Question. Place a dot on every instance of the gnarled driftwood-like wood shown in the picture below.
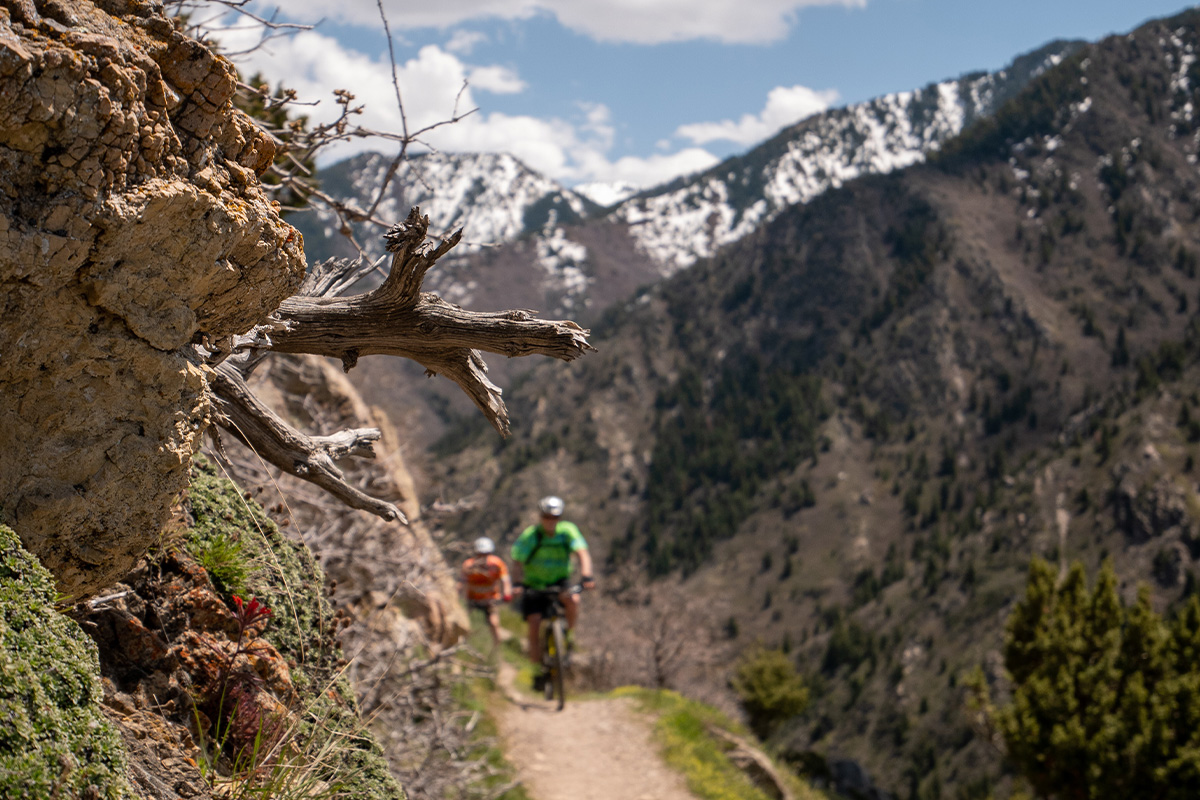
(309, 457)
(395, 319)
(399, 319)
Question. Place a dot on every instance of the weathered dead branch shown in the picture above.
(296, 453)
(396, 319)
(399, 319)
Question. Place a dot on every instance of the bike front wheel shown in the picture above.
(556, 650)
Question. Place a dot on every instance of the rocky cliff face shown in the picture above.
(131, 224)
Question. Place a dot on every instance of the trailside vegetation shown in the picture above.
(1105, 696)
(769, 688)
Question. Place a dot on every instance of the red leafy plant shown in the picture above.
(248, 721)
(248, 613)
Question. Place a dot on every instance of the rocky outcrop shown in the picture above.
(131, 224)
(1145, 507)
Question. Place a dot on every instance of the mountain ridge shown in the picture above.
(503, 204)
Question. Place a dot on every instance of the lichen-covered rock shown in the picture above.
(131, 224)
(189, 683)
(55, 741)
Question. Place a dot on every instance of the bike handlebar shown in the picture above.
(553, 591)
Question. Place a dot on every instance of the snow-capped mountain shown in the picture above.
(500, 201)
(691, 219)
(494, 197)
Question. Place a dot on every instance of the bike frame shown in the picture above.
(552, 636)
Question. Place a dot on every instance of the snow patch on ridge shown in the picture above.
(563, 260)
(677, 227)
(607, 194)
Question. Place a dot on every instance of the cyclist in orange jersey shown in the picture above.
(485, 582)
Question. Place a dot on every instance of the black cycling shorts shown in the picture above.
(536, 602)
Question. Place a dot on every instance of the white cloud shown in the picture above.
(431, 86)
(463, 42)
(785, 106)
(598, 125)
(656, 169)
(641, 21)
(499, 80)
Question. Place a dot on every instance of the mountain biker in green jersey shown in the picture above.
(541, 560)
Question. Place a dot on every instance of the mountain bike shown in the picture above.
(553, 637)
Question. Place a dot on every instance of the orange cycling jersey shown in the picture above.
(482, 576)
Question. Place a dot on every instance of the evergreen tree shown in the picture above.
(1120, 355)
(1106, 697)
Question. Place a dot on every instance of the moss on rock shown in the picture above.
(283, 574)
(54, 738)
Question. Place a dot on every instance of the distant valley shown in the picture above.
(849, 383)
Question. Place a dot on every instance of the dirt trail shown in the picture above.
(591, 750)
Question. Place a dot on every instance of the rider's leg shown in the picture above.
(570, 601)
(493, 620)
(534, 621)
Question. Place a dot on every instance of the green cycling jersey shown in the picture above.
(547, 555)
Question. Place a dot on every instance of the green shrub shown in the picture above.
(1105, 696)
(223, 559)
(769, 688)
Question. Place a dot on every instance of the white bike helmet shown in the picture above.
(484, 545)
(551, 506)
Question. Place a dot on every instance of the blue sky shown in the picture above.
(645, 90)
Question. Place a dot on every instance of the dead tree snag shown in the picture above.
(396, 319)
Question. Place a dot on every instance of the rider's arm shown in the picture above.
(505, 581)
(585, 568)
(520, 552)
(579, 547)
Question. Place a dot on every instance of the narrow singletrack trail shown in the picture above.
(591, 750)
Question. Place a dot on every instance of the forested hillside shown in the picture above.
(849, 431)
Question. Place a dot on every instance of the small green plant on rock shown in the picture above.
(224, 559)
